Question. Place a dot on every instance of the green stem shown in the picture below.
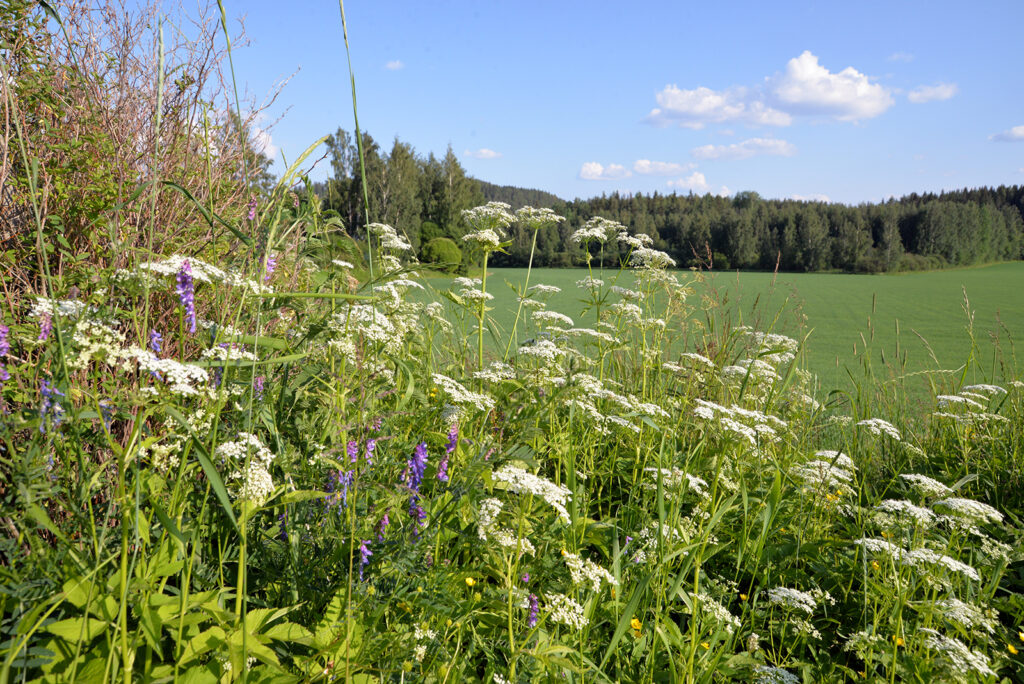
(481, 316)
(519, 309)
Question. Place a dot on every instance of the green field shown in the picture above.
(841, 312)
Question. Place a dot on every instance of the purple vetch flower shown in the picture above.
(371, 444)
(352, 449)
(156, 341)
(531, 620)
(258, 383)
(525, 579)
(50, 405)
(419, 515)
(186, 290)
(283, 526)
(364, 556)
(382, 527)
(45, 327)
(414, 469)
(252, 208)
(5, 349)
(271, 264)
(628, 540)
(442, 469)
(107, 412)
(453, 439)
(377, 422)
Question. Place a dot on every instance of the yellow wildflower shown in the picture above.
(1012, 649)
(470, 582)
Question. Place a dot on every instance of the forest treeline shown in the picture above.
(422, 197)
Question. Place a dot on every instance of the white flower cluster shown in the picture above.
(493, 215)
(566, 611)
(522, 482)
(709, 605)
(257, 484)
(793, 599)
(672, 480)
(597, 335)
(228, 353)
(542, 289)
(646, 257)
(342, 264)
(893, 512)
(488, 239)
(925, 485)
(774, 348)
(990, 390)
(460, 395)
(968, 615)
(542, 318)
(626, 293)
(971, 510)
(535, 219)
(584, 571)
(495, 372)
(597, 229)
(590, 283)
(961, 660)
(832, 471)
(388, 237)
(95, 338)
(749, 424)
(634, 241)
(65, 308)
(918, 557)
(247, 444)
(487, 528)
(180, 378)
(543, 350)
(877, 426)
(201, 272)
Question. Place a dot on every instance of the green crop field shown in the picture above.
(918, 314)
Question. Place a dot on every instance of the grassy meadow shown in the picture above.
(921, 315)
(267, 448)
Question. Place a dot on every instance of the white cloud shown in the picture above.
(814, 197)
(264, 142)
(1015, 134)
(482, 153)
(806, 87)
(596, 171)
(646, 167)
(746, 149)
(394, 65)
(696, 183)
(901, 57)
(939, 91)
(700, 106)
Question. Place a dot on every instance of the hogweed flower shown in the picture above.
(186, 289)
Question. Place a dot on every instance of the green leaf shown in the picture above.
(78, 629)
(211, 472)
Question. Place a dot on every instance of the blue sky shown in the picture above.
(852, 102)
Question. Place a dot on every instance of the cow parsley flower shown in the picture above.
(584, 571)
(925, 485)
(971, 510)
(566, 611)
(535, 219)
(877, 426)
(793, 599)
(960, 660)
(522, 482)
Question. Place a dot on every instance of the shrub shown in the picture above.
(444, 253)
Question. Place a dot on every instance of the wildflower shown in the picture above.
(584, 571)
(252, 208)
(743, 597)
(364, 556)
(470, 582)
(597, 229)
(1012, 649)
(705, 645)
(442, 469)
(637, 627)
(766, 674)
(792, 598)
(45, 327)
(5, 348)
(415, 467)
(525, 579)
(258, 384)
(877, 426)
(925, 485)
(566, 611)
(535, 219)
(352, 448)
(974, 511)
(156, 341)
(957, 657)
(531, 619)
(371, 445)
(382, 527)
(522, 482)
(50, 405)
(186, 294)
(271, 264)
(898, 641)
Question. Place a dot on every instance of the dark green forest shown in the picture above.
(422, 197)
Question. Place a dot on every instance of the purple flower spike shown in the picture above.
(5, 349)
(382, 527)
(258, 384)
(156, 340)
(525, 579)
(186, 289)
(252, 209)
(415, 468)
(442, 469)
(531, 621)
(50, 405)
(271, 265)
(453, 439)
(364, 556)
(353, 451)
(45, 327)
(371, 444)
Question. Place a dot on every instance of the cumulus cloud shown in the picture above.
(394, 65)
(939, 91)
(814, 197)
(596, 171)
(264, 143)
(701, 106)
(1015, 134)
(696, 183)
(746, 149)
(646, 167)
(806, 87)
(482, 153)
(901, 57)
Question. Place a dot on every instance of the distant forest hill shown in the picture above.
(423, 197)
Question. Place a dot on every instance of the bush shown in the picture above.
(444, 253)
